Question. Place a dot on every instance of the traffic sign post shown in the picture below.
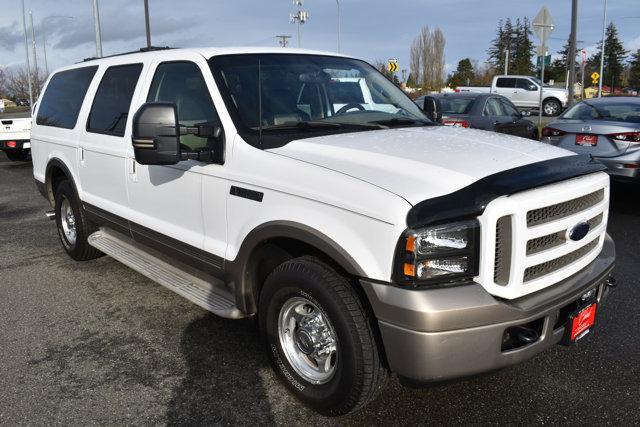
(543, 27)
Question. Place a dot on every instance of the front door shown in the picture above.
(179, 209)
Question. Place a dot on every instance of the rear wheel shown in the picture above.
(319, 337)
(551, 107)
(18, 155)
(73, 227)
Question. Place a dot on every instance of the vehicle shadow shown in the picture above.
(223, 359)
(624, 198)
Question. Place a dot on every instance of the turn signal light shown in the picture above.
(11, 144)
(549, 131)
(456, 123)
(626, 136)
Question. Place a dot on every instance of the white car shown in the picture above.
(15, 131)
(364, 240)
(524, 92)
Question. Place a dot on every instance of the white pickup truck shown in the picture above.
(524, 92)
(363, 237)
(15, 130)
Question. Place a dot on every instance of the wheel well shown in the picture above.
(552, 98)
(269, 254)
(54, 177)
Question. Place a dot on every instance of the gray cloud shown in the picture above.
(10, 36)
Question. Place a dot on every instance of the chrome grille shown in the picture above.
(503, 251)
(564, 209)
(545, 268)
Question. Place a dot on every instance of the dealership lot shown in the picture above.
(95, 342)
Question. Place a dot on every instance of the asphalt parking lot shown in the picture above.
(97, 343)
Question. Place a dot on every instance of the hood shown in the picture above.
(419, 163)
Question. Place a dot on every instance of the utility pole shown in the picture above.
(506, 62)
(300, 17)
(338, 5)
(572, 49)
(146, 22)
(33, 41)
(604, 35)
(26, 52)
(96, 23)
(284, 40)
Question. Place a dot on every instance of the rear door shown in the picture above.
(506, 86)
(104, 138)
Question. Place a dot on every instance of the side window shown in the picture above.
(509, 109)
(493, 108)
(63, 98)
(111, 104)
(507, 82)
(525, 84)
(182, 83)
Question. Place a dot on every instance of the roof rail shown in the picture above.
(141, 50)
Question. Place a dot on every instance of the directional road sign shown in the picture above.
(393, 65)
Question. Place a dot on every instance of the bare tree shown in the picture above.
(427, 58)
(17, 82)
(3, 83)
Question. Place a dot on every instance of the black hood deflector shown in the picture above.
(472, 200)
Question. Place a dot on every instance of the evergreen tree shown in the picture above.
(502, 43)
(614, 58)
(464, 74)
(522, 48)
(634, 70)
(558, 69)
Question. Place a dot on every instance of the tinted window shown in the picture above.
(182, 83)
(493, 107)
(509, 108)
(345, 92)
(524, 84)
(506, 82)
(63, 98)
(113, 99)
(456, 105)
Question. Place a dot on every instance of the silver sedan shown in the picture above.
(606, 128)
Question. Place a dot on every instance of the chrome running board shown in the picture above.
(214, 297)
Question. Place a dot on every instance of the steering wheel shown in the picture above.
(350, 107)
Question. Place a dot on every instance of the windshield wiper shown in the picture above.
(317, 125)
(401, 122)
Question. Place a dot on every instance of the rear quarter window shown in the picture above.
(63, 97)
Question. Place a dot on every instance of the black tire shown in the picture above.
(359, 373)
(551, 107)
(18, 155)
(80, 250)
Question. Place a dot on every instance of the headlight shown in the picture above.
(440, 254)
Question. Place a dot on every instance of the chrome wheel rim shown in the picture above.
(68, 221)
(308, 340)
(550, 108)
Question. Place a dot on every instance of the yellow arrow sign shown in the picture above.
(595, 76)
(393, 67)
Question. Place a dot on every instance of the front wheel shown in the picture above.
(551, 107)
(319, 337)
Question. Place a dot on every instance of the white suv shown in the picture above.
(365, 240)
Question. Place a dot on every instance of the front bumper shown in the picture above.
(20, 144)
(444, 333)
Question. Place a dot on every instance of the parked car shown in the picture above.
(363, 241)
(606, 128)
(15, 129)
(22, 102)
(482, 111)
(524, 92)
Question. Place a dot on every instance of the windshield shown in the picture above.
(276, 98)
(628, 112)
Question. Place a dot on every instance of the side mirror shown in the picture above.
(156, 134)
(533, 87)
(433, 109)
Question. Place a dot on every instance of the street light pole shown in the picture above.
(604, 31)
(33, 41)
(572, 50)
(146, 22)
(96, 23)
(338, 6)
(26, 52)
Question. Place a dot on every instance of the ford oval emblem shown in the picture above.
(579, 231)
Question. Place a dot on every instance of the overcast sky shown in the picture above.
(371, 29)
